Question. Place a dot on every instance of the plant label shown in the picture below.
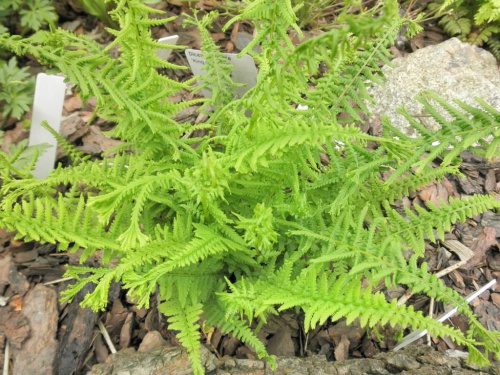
(244, 70)
(168, 40)
(47, 106)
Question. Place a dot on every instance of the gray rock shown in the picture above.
(429, 370)
(365, 366)
(414, 360)
(452, 70)
(402, 361)
(242, 39)
(162, 361)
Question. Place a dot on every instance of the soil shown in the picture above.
(32, 320)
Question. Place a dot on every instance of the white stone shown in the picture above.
(452, 70)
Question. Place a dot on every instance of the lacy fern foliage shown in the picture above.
(271, 207)
(473, 21)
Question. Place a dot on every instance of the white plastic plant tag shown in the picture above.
(47, 106)
(244, 70)
(169, 40)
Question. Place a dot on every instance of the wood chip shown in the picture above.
(101, 351)
(354, 332)
(495, 298)
(462, 251)
(14, 325)
(229, 346)
(96, 143)
(490, 181)
(26, 256)
(115, 318)
(483, 243)
(281, 344)
(5, 263)
(77, 338)
(152, 340)
(435, 193)
(342, 349)
(72, 104)
(457, 279)
(9, 276)
(126, 331)
(38, 352)
(151, 323)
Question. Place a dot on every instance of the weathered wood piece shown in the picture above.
(37, 353)
(77, 339)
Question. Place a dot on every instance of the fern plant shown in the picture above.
(270, 207)
(473, 21)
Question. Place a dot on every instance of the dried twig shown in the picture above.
(105, 334)
(450, 268)
(405, 297)
(462, 251)
(58, 281)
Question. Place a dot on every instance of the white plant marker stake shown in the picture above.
(414, 336)
(165, 53)
(244, 70)
(47, 106)
(6, 358)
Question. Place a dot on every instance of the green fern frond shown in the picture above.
(397, 189)
(456, 24)
(35, 221)
(488, 12)
(84, 275)
(206, 243)
(483, 35)
(494, 46)
(185, 320)
(74, 154)
(422, 226)
(322, 297)
(218, 71)
(218, 316)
